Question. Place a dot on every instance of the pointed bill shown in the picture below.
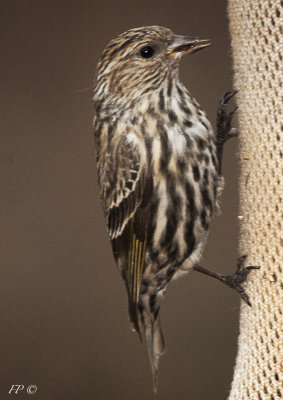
(184, 45)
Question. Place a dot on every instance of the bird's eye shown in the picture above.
(147, 52)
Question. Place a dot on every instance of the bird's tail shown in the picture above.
(145, 320)
(155, 342)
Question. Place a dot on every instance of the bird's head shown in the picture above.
(138, 61)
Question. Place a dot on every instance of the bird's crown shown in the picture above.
(140, 61)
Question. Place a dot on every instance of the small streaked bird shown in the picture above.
(158, 164)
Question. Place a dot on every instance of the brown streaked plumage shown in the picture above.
(157, 169)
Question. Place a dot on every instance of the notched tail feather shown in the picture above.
(155, 343)
(149, 330)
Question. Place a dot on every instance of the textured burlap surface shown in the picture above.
(256, 32)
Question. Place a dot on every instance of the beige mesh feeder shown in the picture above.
(256, 30)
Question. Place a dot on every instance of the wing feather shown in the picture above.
(126, 193)
(122, 177)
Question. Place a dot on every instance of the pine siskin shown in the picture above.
(158, 166)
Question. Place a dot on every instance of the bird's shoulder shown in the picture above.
(123, 173)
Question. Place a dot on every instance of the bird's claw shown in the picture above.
(235, 280)
(227, 97)
(223, 120)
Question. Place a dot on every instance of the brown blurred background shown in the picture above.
(64, 323)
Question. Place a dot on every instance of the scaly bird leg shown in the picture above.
(224, 131)
(235, 280)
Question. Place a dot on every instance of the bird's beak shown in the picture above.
(183, 45)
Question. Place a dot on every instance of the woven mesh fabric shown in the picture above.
(256, 31)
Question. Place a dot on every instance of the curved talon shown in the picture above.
(233, 111)
(241, 260)
(224, 102)
(228, 95)
(245, 297)
(250, 267)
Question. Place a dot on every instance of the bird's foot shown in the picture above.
(224, 131)
(235, 280)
